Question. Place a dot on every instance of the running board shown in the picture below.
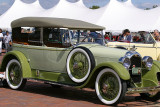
(143, 90)
(51, 82)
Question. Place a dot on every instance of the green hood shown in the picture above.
(105, 54)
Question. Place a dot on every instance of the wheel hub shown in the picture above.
(109, 86)
(77, 65)
(12, 75)
(105, 88)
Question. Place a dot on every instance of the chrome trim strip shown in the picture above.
(131, 46)
(43, 48)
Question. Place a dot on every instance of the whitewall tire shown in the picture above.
(14, 76)
(79, 64)
(110, 89)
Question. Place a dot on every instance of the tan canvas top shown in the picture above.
(54, 22)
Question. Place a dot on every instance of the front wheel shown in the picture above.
(110, 89)
(152, 96)
(14, 76)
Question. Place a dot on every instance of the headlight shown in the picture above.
(148, 62)
(125, 61)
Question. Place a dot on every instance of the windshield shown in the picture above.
(81, 36)
(142, 37)
(133, 37)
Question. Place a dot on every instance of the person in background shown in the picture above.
(7, 39)
(3, 45)
(156, 35)
(126, 36)
(1, 38)
(106, 36)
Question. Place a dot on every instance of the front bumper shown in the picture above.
(143, 90)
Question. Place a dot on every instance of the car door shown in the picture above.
(55, 59)
(35, 52)
(55, 52)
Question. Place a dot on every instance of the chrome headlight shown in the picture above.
(126, 62)
(148, 62)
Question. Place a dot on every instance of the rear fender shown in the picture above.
(26, 70)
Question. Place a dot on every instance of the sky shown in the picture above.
(6, 4)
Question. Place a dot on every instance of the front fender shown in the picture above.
(156, 63)
(150, 77)
(26, 70)
(117, 67)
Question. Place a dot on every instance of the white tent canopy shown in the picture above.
(114, 16)
(119, 16)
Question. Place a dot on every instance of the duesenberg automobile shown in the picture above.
(67, 52)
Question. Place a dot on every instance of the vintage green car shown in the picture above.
(66, 52)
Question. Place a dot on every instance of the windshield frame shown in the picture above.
(78, 38)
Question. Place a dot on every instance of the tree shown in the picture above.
(95, 7)
(147, 8)
(155, 6)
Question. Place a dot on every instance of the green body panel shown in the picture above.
(62, 78)
(104, 54)
(22, 59)
(45, 58)
(149, 78)
(56, 60)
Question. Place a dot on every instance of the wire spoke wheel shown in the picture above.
(14, 76)
(79, 65)
(80, 62)
(108, 86)
(110, 89)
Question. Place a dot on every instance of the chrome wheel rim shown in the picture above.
(14, 74)
(108, 86)
(79, 65)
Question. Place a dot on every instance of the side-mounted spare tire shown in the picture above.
(80, 63)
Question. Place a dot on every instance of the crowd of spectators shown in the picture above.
(5, 41)
(127, 36)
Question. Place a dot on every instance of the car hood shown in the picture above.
(103, 54)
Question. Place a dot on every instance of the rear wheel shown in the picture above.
(152, 96)
(109, 87)
(14, 76)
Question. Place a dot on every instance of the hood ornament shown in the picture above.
(133, 48)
